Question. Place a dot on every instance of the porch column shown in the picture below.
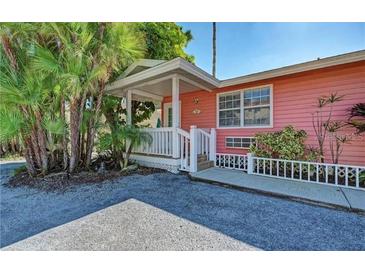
(129, 107)
(175, 117)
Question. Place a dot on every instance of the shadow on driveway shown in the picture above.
(264, 222)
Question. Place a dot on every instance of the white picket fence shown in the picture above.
(313, 172)
(231, 161)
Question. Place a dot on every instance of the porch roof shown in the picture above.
(146, 78)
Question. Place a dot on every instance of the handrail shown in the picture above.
(183, 132)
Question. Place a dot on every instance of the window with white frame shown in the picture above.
(230, 109)
(246, 108)
(239, 142)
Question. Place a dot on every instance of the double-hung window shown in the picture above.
(230, 110)
(247, 108)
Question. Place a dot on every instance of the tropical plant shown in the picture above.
(356, 117)
(49, 72)
(121, 141)
(287, 143)
(321, 118)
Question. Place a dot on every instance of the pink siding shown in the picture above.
(294, 99)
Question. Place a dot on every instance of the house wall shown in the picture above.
(294, 101)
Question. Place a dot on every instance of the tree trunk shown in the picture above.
(64, 137)
(29, 162)
(35, 146)
(76, 114)
(42, 142)
(74, 133)
(92, 124)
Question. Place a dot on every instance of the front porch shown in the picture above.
(172, 147)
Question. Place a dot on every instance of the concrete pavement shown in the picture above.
(327, 195)
(130, 225)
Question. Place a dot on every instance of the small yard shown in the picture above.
(259, 221)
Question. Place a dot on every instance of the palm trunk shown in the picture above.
(35, 147)
(92, 124)
(42, 142)
(29, 162)
(76, 115)
(64, 137)
(74, 134)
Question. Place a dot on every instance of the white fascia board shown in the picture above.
(177, 63)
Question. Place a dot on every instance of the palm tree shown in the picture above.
(52, 68)
(214, 49)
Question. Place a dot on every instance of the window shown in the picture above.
(169, 117)
(229, 109)
(249, 107)
(239, 142)
(257, 106)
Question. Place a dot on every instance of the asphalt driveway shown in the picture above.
(241, 219)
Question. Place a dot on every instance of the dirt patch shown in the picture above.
(61, 181)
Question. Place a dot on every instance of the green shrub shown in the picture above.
(287, 143)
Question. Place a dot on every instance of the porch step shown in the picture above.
(205, 164)
(202, 158)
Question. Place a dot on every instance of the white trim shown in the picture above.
(129, 107)
(147, 94)
(245, 148)
(143, 63)
(194, 83)
(165, 113)
(242, 126)
(169, 164)
(170, 66)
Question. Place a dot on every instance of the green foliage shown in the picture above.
(287, 143)
(165, 40)
(357, 117)
(121, 141)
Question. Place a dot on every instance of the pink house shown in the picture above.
(204, 117)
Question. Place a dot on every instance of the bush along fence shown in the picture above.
(321, 173)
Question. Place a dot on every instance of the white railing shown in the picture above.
(203, 139)
(179, 144)
(321, 173)
(184, 143)
(231, 161)
(161, 142)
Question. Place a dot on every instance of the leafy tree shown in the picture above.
(165, 41)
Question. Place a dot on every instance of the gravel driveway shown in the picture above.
(254, 220)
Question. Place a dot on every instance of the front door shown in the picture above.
(167, 114)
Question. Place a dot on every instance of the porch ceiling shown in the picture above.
(157, 80)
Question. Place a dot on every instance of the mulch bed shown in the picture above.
(60, 181)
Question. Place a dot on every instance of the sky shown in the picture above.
(245, 48)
